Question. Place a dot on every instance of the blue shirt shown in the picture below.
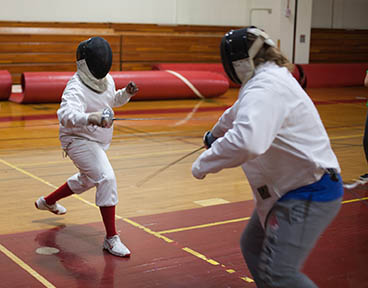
(321, 191)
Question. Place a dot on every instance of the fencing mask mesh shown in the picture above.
(98, 55)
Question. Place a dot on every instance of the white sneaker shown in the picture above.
(364, 178)
(116, 247)
(55, 208)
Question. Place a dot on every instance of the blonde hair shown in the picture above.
(269, 53)
(272, 54)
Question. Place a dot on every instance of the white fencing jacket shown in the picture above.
(77, 101)
(275, 133)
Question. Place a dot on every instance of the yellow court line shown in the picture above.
(149, 231)
(354, 200)
(85, 201)
(157, 234)
(201, 256)
(186, 249)
(247, 279)
(234, 220)
(213, 262)
(133, 223)
(27, 173)
(26, 267)
(203, 225)
(43, 181)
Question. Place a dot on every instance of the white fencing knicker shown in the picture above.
(94, 170)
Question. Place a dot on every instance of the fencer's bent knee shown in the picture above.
(80, 183)
(106, 192)
(106, 179)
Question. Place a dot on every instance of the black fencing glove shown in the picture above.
(208, 139)
(131, 88)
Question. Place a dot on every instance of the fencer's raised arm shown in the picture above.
(122, 96)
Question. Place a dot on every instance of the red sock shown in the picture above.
(108, 217)
(62, 192)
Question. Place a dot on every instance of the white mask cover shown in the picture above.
(98, 85)
(244, 68)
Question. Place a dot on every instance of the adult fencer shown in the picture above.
(274, 132)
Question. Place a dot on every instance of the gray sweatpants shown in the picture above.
(275, 255)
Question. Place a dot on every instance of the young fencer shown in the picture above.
(86, 128)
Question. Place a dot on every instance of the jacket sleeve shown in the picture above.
(225, 122)
(72, 109)
(121, 97)
(257, 119)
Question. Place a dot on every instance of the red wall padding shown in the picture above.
(163, 85)
(315, 75)
(212, 67)
(334, 75)
(42, 87)
(5, 84)
(47, 87)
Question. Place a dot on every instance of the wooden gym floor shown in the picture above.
(182, 232)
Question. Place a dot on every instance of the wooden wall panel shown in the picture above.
(50, 46)
(28, 46)
(137, 66)
(18, 69)
(87, 25)
(29, 49)
(182, 29)
(125, 27)
(338, 46)
(170, 48)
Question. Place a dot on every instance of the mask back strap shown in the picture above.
(256, 46)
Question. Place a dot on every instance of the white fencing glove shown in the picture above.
(103, 119)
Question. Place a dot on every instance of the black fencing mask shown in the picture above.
(237, 52)
(97, 53)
